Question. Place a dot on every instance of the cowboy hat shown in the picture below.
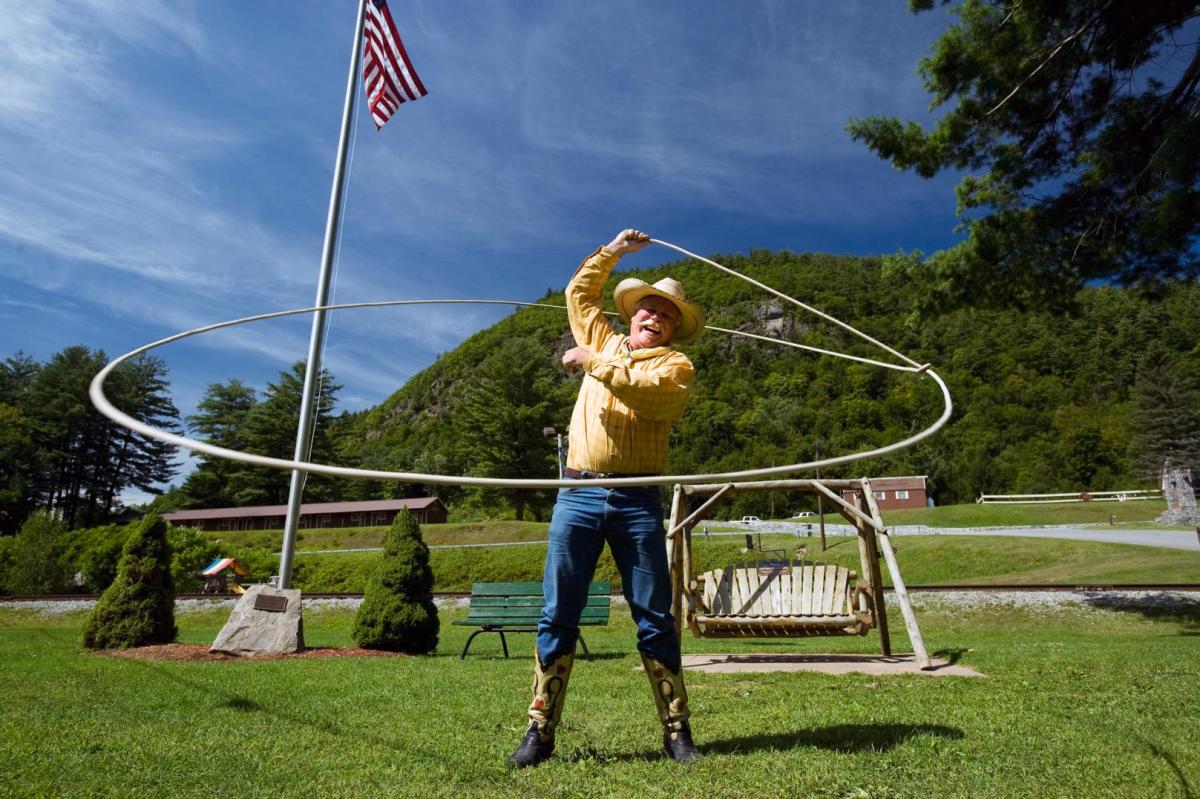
(630, 291)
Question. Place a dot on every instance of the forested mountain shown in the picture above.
(1043, 402)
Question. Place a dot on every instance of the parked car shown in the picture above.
(751, 519)
(805, 514)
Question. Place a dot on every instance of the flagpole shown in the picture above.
(312, 370)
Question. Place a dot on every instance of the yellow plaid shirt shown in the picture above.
(628, 399)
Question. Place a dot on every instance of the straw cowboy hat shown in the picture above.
(630, 291)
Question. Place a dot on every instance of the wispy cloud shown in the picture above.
(165, 166)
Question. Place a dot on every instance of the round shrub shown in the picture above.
(37, 556)
(397, 611)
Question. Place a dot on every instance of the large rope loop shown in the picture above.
(922, 371)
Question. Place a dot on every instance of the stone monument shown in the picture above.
(265, 621)
(1180, 494)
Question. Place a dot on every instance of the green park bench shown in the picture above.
(516, 607)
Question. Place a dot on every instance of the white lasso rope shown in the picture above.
(96, 392)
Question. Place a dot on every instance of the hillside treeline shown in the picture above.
(1090, 399)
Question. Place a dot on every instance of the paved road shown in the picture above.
(1170, 539)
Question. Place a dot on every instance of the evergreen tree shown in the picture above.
(18, 466)
(67, 430)
(16, 377)
(83, 460)
(518, 391)
(397, 611)
(138, 609)
(6, 562)
(19, 456)
(140, 389)
(270, 429)
(1076, 126)
(220, 419)
(1166, 416)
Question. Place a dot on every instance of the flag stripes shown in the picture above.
(388, 75)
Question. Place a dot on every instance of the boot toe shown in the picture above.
(680, 747)
(533, 750)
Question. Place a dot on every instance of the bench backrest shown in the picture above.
(772, 590)
(521, 603)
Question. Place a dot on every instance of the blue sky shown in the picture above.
(168, 165)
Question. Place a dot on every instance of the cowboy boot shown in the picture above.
(549, 692)
(671, 698)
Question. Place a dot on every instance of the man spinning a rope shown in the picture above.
(634, 387)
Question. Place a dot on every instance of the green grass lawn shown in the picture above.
(360, 537)
(1077, 703)
(1138, 513)
(923, 560)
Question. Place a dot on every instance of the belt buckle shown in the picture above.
(587, 474)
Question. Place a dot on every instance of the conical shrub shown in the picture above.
(139, 607)
(397, 611)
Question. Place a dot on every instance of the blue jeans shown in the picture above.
(630, 521)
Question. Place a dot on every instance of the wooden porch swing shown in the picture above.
(778, 599)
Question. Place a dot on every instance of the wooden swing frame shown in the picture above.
(873, 539)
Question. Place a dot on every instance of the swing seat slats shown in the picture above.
(780, 601)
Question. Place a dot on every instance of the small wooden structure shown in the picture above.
(367, 513)
(793, 601)
(773, 600)
(221, 576)
(899, 492)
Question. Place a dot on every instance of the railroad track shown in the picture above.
(995, 587)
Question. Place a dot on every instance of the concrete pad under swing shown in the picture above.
(882, 665)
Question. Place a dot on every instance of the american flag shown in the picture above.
(387, 73)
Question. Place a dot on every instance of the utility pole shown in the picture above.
(772, 494)
(559, 449)
(820, 501)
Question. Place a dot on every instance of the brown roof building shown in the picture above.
(369, 513)
(896, 492)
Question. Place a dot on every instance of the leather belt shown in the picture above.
(584, 474)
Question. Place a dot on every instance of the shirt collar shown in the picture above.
(645, 352)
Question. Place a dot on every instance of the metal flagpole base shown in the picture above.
(265, 621)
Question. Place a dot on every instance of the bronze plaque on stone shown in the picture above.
(269, 602)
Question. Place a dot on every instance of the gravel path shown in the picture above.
(1148, 602)
(1153, 602)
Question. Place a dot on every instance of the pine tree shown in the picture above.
(220, 419)
(1074, 129)
(397, 612)
(139, 607)
(1166, 415)
(83, 461)
(269, 428)
(517, 391)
